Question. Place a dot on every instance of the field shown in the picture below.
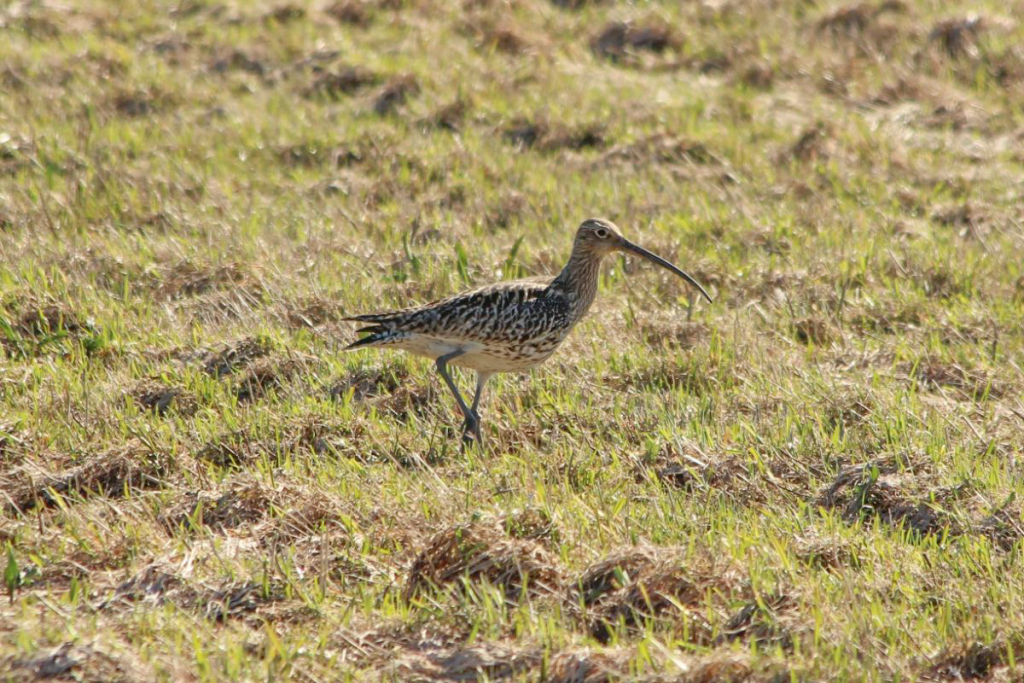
(817, 477)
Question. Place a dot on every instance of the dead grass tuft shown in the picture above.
(484, 661)
(759, 75)
(498, 34)
(312, 312)
(159, 398)
(974, 661)
(341, 82)
(450, 116)
(958, 37)
(282, 512)
(32, 326)
(766, 621)
(647, 584)
(586, 665)
(352, 12)
(239, 60)
(814, 144)
(968, 219)
(255, 601)
(284, 14)
(577, 4)
(933, 372)
(662, 148)
(485, 551)
(267, 374)
(692, 469)
(70, 662)
(880, 491)
(828, 554)
(541, 135)
(186, 278)
(139, 103)
(861, 22)
(43, 317)
(366, 383)
(1004, 527)
(620, 41)
(394, 95)
(236, 356)
(114, 473)
(683, 335)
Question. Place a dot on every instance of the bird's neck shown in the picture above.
(578, 281)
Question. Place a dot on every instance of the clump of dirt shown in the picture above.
(236, 356)
(159, 398)
(643, 584)
(394, 94)
(266, 374)
(880, 491)
(112, 473)
(539, 134)
(341, 82)
(485, 551)
(620, 41)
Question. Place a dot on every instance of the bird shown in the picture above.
(510, 326)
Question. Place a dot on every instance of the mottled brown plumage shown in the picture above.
(505, 327)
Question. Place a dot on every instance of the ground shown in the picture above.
(818, 477)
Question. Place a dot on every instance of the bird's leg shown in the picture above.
(472, 424)
(442, 367)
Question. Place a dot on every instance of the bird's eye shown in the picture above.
(602, 233)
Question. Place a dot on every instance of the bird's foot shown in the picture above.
(471, 431)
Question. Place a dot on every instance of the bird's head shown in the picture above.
(598, 236)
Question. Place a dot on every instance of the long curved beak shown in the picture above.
(636, 249)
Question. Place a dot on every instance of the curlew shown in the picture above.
(510, 326)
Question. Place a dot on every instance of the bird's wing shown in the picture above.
(460, 315)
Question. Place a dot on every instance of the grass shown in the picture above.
(817, 477)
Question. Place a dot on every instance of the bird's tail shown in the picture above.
(376, 335)
(376, 318)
